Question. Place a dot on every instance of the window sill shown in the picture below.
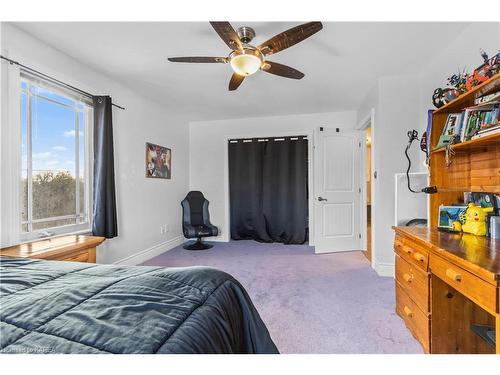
(82, 232)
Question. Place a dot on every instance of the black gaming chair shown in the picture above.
(196, 221)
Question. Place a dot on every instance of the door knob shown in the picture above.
(321, 199)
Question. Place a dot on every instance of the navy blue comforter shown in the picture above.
(67, 307)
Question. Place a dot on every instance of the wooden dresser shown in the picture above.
(412, 286)
(74, 248)
(444, 283)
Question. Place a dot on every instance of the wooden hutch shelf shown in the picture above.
(448, 284)
(475, 165)
(475, 144)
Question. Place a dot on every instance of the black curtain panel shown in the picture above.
(245, 189)
(104, 213)
(268, 189)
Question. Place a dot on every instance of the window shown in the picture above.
(55, 159)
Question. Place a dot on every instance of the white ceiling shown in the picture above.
(341, 62)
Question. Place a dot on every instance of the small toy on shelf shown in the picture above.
(456, 226)
(442, 96)
(458, 81)
(462, 82)
(475, 219)
(488, 69)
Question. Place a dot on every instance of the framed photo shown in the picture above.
(158, 161)
(450, 214)
(451, 130)
(453, 125)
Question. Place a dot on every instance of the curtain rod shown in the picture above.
(265, 139)
(52, 79)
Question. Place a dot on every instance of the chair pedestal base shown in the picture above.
(197, 245)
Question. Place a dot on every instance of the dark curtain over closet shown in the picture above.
(268, 190)
(104, 219)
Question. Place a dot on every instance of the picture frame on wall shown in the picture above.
(158, 161)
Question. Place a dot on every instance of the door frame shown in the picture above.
(368, 122)
(310, 172)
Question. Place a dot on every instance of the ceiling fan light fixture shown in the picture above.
(246, 59)
(246, 62)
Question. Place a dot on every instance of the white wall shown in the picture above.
(394, 101)
(409, 205)
(143, 204)
(208, 150)
(397, 113)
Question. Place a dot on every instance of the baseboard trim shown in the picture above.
(216, 239)
(384, 269)
(144, 255)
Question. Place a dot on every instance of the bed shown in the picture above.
(68, 307)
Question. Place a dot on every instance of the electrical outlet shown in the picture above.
(166, 228)
(161, 229)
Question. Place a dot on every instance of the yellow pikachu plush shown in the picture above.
(475, 220)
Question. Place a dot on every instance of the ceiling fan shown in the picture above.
(245, 59)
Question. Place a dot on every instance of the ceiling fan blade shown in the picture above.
(198, 59)
(289, 38)
(235, 81)
(227, 34)
(281, 70)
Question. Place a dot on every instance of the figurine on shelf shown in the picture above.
(475, 220)
(488, 69)
(458, 81)
(442, 96)
(462, 82)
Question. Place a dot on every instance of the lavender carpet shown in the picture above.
(328, 303)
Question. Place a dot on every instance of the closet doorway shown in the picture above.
(368, 190)
(367, 126)
(269, 189)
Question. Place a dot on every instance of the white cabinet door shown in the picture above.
(337, 156)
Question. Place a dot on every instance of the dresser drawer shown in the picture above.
(412, 253)
(415, 283)
(471, 286)
(416, 321)
(79, 257)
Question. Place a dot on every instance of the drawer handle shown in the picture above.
(403, 248)
(407, 277)
(407, 250)
(419, 257)
(453, 275)
(408, 311)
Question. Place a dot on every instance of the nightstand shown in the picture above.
(74, 248)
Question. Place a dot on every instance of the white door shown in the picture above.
(337, 185)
